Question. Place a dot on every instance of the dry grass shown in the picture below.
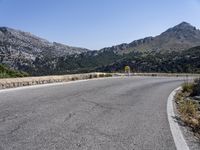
(187, 87)
(188, 108)
(196, 88)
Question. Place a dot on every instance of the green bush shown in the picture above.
(9, 73)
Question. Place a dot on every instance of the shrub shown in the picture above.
(196, 88)
(188, 108)
(179, 97)
(187, 87)
(5, 72)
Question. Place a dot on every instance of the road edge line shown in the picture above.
(177, 134)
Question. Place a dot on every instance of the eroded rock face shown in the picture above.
(18, 47)
(29, 43)
(181, 37)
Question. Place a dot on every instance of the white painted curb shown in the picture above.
(175, 129)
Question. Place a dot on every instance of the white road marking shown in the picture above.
(175, 129)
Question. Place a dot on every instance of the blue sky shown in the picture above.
(95, 24)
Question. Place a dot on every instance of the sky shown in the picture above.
(95, 24)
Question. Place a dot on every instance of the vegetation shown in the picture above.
(189, 107)
(161, 54)
(187, 87)
(196, 88)
(127, 69)
(9, 73)
(187, 61)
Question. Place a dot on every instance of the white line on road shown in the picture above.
(175, 129)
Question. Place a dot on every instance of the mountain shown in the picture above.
(186, 61)
(150, 54)
(23, 46)
(168, 52)
(182, 36)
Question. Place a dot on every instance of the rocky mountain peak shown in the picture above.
(25, 42)
(183, 28)
(184, 25)
(180, 37)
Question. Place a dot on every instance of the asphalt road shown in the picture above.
(116, 113)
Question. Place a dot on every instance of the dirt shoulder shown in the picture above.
(188, 106)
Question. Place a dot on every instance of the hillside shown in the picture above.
(171, 51)
(187, 61)
(9, 73)
(18, 48)
(180, 37)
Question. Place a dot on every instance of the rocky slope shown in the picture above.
(25, 47)
(186, 61)
(23, 51)
(181, 37)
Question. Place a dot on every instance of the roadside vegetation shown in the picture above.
(187, 61)
(9, 73)
(188, 105)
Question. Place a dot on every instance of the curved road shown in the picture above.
(115, 113)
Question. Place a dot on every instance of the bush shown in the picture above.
(196, 88)
(188, 108)
(188, 87)
(5, 72)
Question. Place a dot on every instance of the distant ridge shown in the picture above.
(180, 37)
(29, 44)
(26, 52)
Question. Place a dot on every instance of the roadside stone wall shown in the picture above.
(27, 81)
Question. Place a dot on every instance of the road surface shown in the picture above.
(108, 114)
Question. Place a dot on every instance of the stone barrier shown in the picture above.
(159, 74)
(27, 81)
